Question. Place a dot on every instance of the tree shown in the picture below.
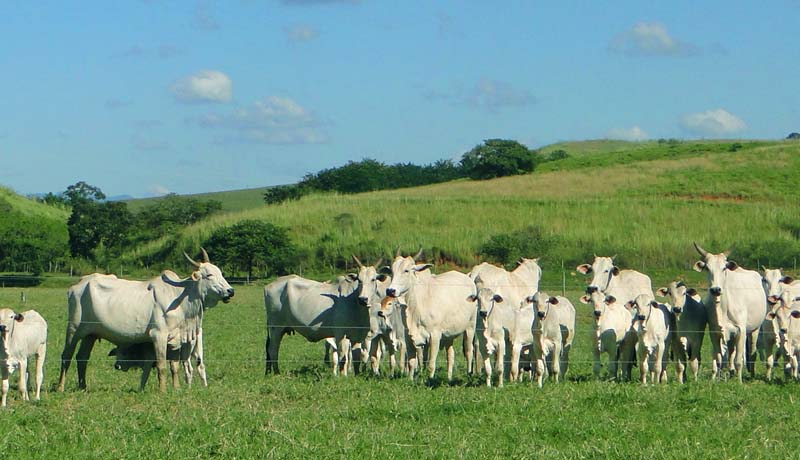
(92, 224)
(82, 192)
(253, 244)
(498, 158)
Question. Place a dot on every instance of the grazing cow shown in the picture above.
(163, 310)
(688, 329)
(737, 310)
(439, 308)
(651, 323)
(335, 312)
(613, 335)
(22, 335)
(775, 284)
(513, 287)
(785, 313)
(553, 330)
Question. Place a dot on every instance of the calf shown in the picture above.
(142, 356)
(651, 323)
(785, 315)
(775, 284)
(553, 330)
(613, 334)
(22, 335)
(495, 324)
(688, 327)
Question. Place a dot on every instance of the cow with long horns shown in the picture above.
(164, 310)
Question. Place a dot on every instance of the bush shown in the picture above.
(254, 247)
(507, 248)
(281, 193)
(556, 155)
(499, 158)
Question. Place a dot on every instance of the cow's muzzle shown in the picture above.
(597, 314)
(715, 291)
(640, 318)
(381, 314)
(484, 314)
(540, 314)
(591, 289)
(773, 299)
(677, 310)
(390, 292)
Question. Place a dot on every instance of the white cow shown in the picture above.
(553, 331)
(495, 325)
(651, 323)
(775, 284)
(22, 335)
(318, 311)
(737, 310)
(439, 308)
(388, 332)
(623, 285)
(689, 328)
(513, 287)
(785, 313)
(163, 310)
(613, 335)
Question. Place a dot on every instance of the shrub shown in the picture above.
(499, 158)
(507, 248)
(253, 246)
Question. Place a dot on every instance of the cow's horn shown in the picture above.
(379, 262)
(702, 251)
(190, 260)
(728, 251)
(360, 265)
(205, 255)
(419, 254)
(397, 253)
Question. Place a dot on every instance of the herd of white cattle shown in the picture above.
(406, 311)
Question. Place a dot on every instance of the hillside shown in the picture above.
(646, 204)
(11, 201)
(232, 200)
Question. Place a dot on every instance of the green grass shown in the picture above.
(646, 205)
(306, 412)
(233, 200)
(29, 207)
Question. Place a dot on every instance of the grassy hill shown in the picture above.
(646, 204)
(11, 201)
(232, 200)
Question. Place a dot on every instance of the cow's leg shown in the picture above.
(741, 351)
(4, 385)
(145, 376)
(556, 359)
(175, 370)
(469, 349)
(516, 352)
(794, 367)
(643, 364)
(198, 353)
(500, 358)
(433, 352)
(752, 351)
(597, 364)
(451, 358)
(70, 343)
(40, 354)
(540, 369)
(659, 364)
(160, 347)
(23, 379)
(274, 337)
(84, 352)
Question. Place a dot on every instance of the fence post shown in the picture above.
(563, 280)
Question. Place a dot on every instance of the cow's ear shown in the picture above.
(731, 265)
(584, 268)
(529, 299)
(771, 315)
(585, 299)
(113, 352)
(795, 314)
(615, 270)
(472, 298)
(630, 305)
(352, 276)
(610, 299)
(787, 280)
(699, 266)
(553, 301)
(19, 318)
(386, 270)
(654, 304)
(196, 275)
(422, 267)
(381, 277)
(498, 298)
(663, 292)
(691, 292)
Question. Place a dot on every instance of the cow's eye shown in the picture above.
(210, 275)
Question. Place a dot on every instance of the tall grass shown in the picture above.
(648, 212)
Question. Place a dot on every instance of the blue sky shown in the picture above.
(145, 97)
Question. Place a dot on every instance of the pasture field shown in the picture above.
(646, 204)
(306, 412)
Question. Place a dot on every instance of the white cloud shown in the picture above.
(158, 190)
(301, 33)
(487, 94)
(205, 86)
(650, 39)
(634, 133)
(718, 122)
(273, 120)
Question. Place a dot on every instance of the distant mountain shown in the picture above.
(119, 198)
